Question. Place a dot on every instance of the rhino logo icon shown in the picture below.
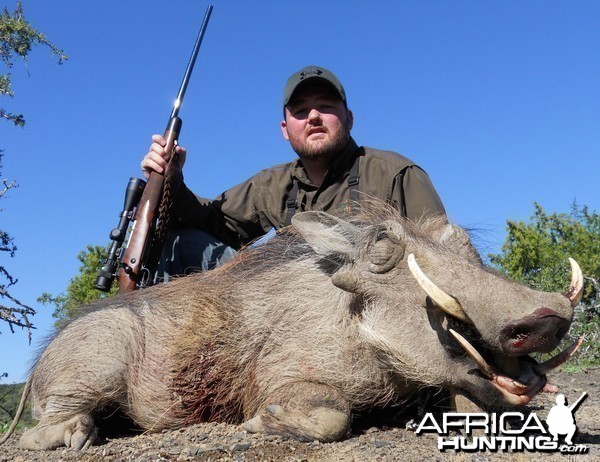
(560, 419)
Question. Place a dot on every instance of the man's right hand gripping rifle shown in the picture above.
(158, 158)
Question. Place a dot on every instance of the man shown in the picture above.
(560, 420)
(331, 173)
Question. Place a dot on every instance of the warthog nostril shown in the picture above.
(562, 332)
(540, 331)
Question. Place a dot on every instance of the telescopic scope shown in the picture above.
(107, 273)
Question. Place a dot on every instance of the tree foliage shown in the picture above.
(17, 37)
(536, 253)
(80, 290)
(10, 396)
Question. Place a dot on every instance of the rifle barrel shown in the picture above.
(578, 402)
(190, 66)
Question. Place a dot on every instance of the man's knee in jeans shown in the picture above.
(189, 250)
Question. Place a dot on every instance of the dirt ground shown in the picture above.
(222, 442)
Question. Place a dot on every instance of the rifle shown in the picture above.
(574, 406)
(137, 265)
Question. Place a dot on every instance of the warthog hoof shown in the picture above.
(319, 423)
(77, 433)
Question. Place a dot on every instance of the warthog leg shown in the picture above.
(79, 432)
(305, 410)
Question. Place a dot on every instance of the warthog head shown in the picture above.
(426, 299)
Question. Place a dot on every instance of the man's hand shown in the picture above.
(157, 158)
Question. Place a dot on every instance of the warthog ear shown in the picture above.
(327, 234)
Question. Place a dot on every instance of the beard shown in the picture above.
(320, 149)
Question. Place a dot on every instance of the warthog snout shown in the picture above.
(540, 331)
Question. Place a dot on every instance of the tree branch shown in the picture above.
(15, 316)
(8, 184)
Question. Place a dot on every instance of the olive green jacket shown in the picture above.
(250, 209)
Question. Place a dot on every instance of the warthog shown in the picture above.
(292, 336)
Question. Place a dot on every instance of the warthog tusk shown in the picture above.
(440, 298)
(484, 367)
(560, 358)
(575, 290)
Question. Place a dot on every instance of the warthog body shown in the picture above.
(294, 335)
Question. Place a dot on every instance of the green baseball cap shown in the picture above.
(312, 74)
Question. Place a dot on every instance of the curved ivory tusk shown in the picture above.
(560, 358)
(575, 290)
(443, 301)
(484, 367)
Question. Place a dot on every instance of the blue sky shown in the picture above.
(498, 101)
